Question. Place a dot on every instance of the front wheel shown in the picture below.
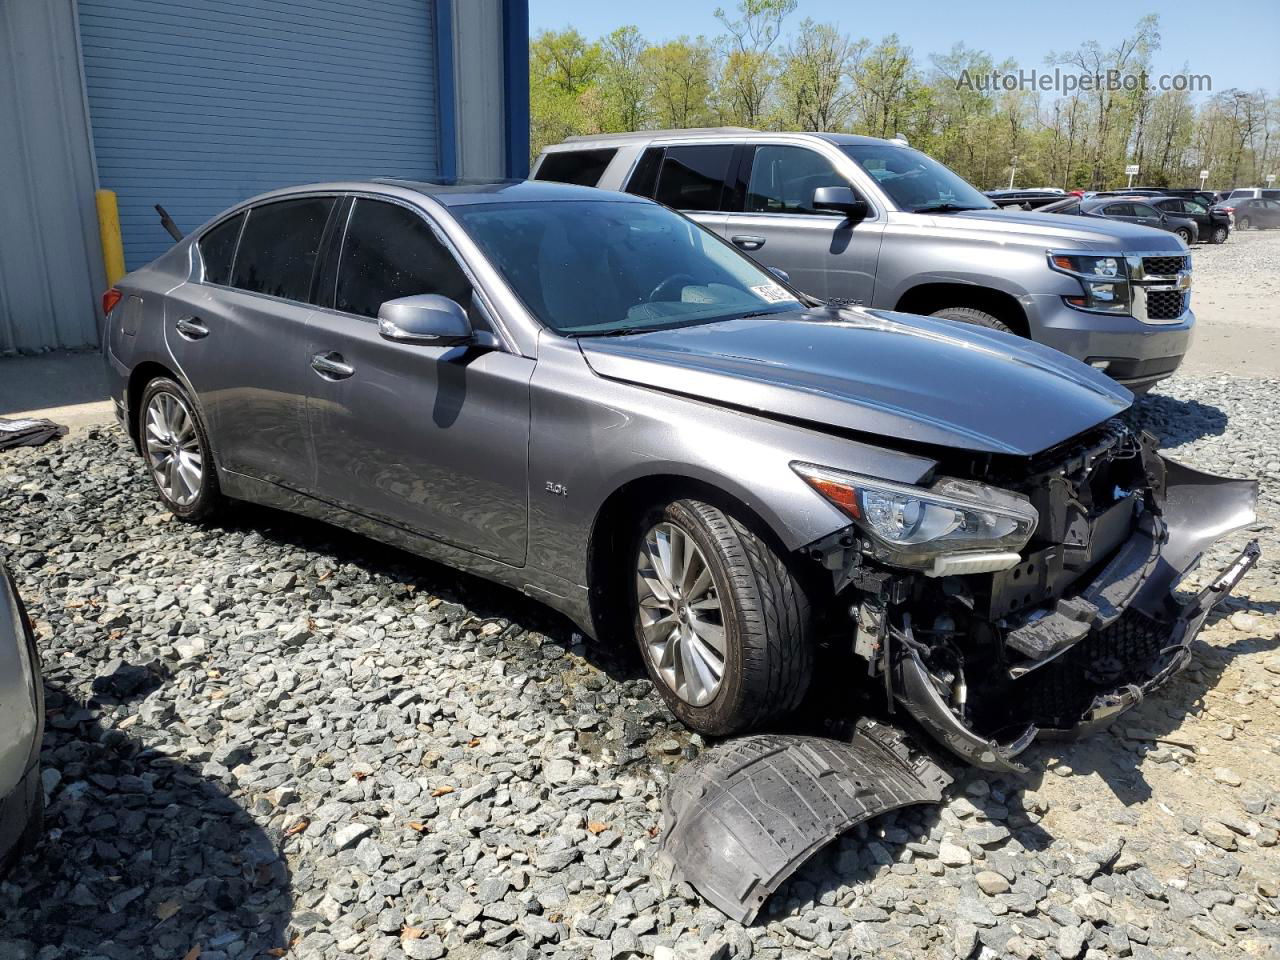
(1242, 223)
(979, 318)
(176, 449)
(1220, 234)
(1184, 235)
(722, 623)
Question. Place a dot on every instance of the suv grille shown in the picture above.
(1165, 304)
(1165, 266)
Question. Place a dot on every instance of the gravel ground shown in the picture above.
(269, 738)
(1234, 294)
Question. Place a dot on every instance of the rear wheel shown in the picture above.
(176, 449)
(722, 623)
(979, 318)
(1220, 234)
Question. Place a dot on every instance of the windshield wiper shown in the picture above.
(946, 208)
(619, 332)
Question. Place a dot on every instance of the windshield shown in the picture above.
(913, 181)
(599, 267)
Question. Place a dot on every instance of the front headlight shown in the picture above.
(954, 526)
(1103, 279)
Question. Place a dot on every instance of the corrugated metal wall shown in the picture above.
(50, 261)
(197, 104)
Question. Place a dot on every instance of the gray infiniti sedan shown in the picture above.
(588, 397)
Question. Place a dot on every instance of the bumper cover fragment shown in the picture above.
(745, 814)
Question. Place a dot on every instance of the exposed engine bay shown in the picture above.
(1080, 628)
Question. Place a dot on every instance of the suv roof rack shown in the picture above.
(634, 134)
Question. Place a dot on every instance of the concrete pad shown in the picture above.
(67, 388)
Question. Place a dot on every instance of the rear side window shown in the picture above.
(784, 179)
(390, 252)
(693, 178)
(583, 167)
(1120, 210)
(645, 176)
(279, 246)
(218, 247)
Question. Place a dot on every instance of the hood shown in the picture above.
(1097, 232)
(893, 375)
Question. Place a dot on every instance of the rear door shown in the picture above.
(239, 337)
(773, 219)
(694, 179)
(431, 439)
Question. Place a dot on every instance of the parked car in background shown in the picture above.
(1212, 225)
(1208, 198)
(1135, 210)
(1254, 193)
(588, 397)
(1024, 199)
(1250, 212)
(21, 727)
(856, 220)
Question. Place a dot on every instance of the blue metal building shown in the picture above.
(196, 104)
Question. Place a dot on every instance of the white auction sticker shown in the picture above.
(771, 292)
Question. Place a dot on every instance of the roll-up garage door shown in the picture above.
(196, 104)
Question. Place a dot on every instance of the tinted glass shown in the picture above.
(914, 181)
(217, 247)
(1146, 211)
(592, 268)
(693, 177)
(1120, 210)
(1194, 207)
(279, 246)
(582, 167)
(391, 252)
(783, 180)
(645, 176)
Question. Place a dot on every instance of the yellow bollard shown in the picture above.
(109, 230)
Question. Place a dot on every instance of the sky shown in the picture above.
(1235, 42)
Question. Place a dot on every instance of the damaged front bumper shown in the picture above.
(1084, 659)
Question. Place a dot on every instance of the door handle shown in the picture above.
(191, 328)
(331, 366)
(748, 242)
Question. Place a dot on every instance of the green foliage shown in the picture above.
(816, 77)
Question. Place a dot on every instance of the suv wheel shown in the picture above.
(1220, 234)
(176, 449)
(723, 625)
(979, 318)
(1184, 235)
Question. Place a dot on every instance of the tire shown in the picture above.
(1184, 235)
(1242, 223)
(1220, 235)
(764, 613)
(979, 318)
(176, 449)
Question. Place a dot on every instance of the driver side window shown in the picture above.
(389, 251)
(784, 178)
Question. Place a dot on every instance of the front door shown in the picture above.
(825, 254)
(239, 336)
(431, 439)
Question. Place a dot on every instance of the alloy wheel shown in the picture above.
(680, 614)
(173, 449)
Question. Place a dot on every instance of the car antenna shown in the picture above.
(166, 221)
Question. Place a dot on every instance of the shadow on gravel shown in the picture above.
(1176, 422)
(142, 855)
(484, 598)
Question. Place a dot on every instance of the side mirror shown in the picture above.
(841, 199)
(427, 319)
(780, 274)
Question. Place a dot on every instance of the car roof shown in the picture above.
(1092, 203)
(589, 140)
(458, 192)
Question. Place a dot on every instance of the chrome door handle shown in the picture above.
(191, 328)
(331, 366)
(748, 242)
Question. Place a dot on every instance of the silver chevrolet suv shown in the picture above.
(859, 220)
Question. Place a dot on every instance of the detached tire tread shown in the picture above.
(770, 648)
(979, 318)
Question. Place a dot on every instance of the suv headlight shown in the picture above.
(1104, 279)
(952, 527)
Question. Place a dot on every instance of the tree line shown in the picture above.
(768, 71)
